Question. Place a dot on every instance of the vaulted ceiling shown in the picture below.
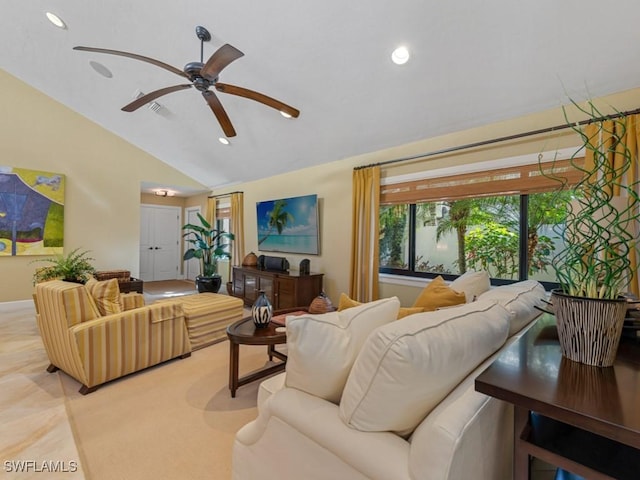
(471, 63)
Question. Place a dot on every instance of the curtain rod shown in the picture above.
(499, 139)
(223, 194)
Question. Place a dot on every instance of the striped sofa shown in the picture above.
(95, 348)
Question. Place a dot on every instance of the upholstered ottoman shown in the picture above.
(208, 315)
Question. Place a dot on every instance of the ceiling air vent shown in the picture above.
(153, 106)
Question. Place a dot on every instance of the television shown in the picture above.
(289, 225)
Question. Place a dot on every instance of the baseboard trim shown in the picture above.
(9, 306)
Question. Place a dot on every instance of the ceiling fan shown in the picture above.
(202, 76)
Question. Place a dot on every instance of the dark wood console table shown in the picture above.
(283, 289)
(583, 419)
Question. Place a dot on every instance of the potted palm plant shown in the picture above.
(207, 246)
(600, 259)
(74, 267)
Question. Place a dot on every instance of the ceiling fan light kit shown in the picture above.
(203, 76)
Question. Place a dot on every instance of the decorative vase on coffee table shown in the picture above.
(261, 311)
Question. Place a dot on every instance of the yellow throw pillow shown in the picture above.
(346, 302)
(406, 311)
(438, 294)
(106, 294)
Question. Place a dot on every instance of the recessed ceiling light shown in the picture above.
(400, 55)
(285, 114)
(56, 20)
(223, 141)
(101, 69)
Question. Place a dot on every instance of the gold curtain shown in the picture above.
(211, 211)
(364, 240)
(237, 227)
(630, 137)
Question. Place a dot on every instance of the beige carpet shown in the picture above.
(173, 421)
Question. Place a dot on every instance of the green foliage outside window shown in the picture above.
(393, 233)
(486, 233)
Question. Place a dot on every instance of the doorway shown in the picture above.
(159, 242)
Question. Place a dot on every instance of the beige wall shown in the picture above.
(103, 175)
(102, 207)
(332, 183)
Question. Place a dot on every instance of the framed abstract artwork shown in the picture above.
(31, 212)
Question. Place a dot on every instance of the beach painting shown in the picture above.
(289, 225)
(31, 212)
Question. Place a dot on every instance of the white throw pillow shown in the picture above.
(520, 299)
(321, 348)
(406, 368)
(472, 283)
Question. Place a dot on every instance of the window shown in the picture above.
(223, 217)
(505, 221)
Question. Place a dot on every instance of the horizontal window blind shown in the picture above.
(223, 208)
(516, 180)
(224, 212)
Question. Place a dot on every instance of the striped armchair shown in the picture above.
(95, 349)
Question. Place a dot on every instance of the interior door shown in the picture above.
(159, 242)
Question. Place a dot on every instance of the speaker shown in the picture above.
(276, 263)
(305, 267)
(260, 263)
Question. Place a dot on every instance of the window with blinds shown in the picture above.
(517, 180)
(500, 220)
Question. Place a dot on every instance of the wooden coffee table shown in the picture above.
(244, 332)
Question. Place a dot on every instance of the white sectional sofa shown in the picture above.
(366, 396)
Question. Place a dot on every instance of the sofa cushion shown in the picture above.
(472, 283)
(78, 304)
(347, 302)
(322, 348)
(106, 294)
(406, 368)
(437, 294)
(520, 299)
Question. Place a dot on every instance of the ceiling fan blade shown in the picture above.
(219, 60)
(143, 100)
(219, 112)
(258, 97)
(135, 56)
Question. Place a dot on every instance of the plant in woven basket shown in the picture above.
(207, 245)
(600, 257)
(74, 267)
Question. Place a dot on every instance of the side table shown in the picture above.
(244, 332)
(581, 418)
(133, 285)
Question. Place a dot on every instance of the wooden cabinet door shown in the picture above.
(251, 287)
(238, 282)
(267, 285)
(286, 293)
